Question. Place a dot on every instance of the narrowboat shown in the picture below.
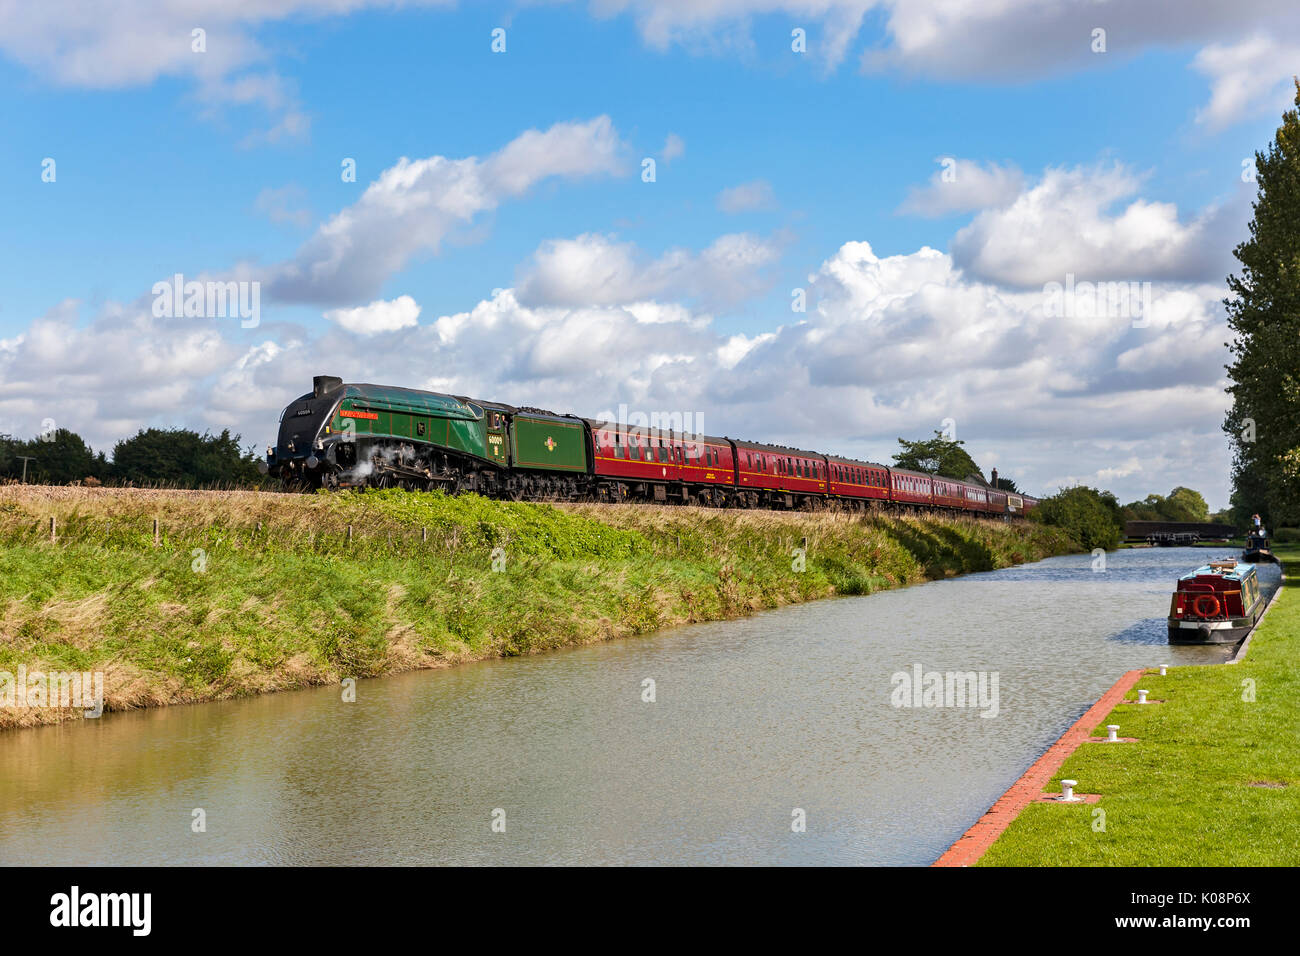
(1257, 550)
(1215, 604)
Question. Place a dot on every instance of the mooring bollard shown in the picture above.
(1114, 733)
(1067, 791)
(1142, 696)
(1164, 669)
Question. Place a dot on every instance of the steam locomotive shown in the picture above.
(358, 435)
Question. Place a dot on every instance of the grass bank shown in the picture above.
(1213, 779)
(243, 592)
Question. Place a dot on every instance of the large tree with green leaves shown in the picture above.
(1089, 516)
(178, 456)
(937, 456)
(1183, 504)
(1264, 315)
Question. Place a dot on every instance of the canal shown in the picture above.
(755, 727)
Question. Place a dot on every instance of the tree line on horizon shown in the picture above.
(176, 457)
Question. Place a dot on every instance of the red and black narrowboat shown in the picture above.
(1215, 604)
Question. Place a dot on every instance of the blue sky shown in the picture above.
(166, 163)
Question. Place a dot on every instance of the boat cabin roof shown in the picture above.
(1226, 570)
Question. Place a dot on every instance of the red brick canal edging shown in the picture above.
(975, 841)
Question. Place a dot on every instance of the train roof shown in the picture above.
(914, 474)
(836, 459)
(778, 449)
(627, 429)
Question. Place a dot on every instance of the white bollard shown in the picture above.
(1114, 733)
(1164, 669)
(1067, 791)
(1142, 696)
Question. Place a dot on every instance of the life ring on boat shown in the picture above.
(1200, 612)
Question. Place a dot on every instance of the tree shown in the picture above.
(1264, 315)
(182, 457)
(58, 458)
(1090, 517)
(1007, 485)
(937, 456)
(1183, 504)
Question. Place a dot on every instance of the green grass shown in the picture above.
(1188, 792)
(246, 592)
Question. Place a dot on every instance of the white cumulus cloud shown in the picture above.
(379, 316)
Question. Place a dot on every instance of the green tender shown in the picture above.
(542, 442)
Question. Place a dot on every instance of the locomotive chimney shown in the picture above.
(322, 385)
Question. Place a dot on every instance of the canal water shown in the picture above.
(755, 727)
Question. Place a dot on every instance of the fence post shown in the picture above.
(53, 534)
(424, 535)
(155, 532)
(349, 539)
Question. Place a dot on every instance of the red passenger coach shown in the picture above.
(997, 502)
(632, 457)
(661, 464)
(977, 497)
(709, 469)
(949, 493)
(855, 480)
(774, 474)
(910, 487)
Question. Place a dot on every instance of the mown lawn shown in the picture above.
(1213, 780)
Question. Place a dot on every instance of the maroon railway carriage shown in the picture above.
(859, 482)
(949, 493)
(709, 469)
(977, 498)
(661, 464)
(910, 487)
(777, 475)
(997, 502)
(634, 462)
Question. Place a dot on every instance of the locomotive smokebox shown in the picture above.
(322, 385)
